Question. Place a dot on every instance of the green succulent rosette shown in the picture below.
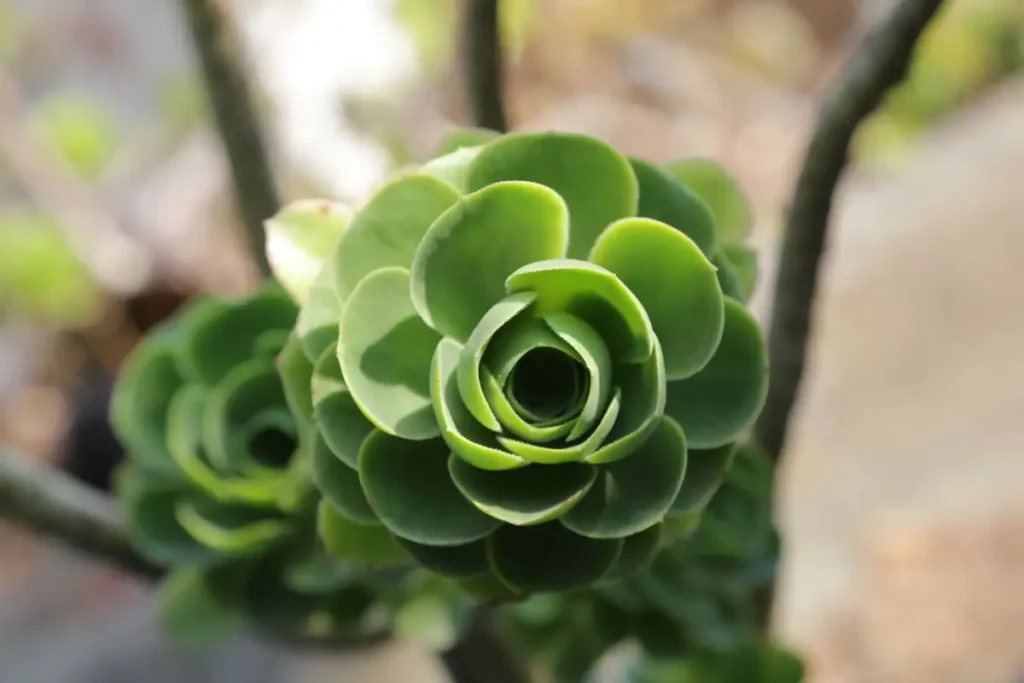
(216, 483)
(526, 352)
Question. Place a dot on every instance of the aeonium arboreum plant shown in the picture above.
(521, 349)
(216, 485)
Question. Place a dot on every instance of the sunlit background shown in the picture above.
(901, 498)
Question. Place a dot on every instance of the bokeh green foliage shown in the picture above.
(970, 45)
(40, 277)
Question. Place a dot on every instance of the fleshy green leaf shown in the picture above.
(552, 455)
(463, 137)
(149, 505)
(220, 337)
(595, 181)
(529, 495)
(638, 551)
(676, 284)
(488, 587)
(547, 386)
(549, 557)
(300, 237)
(743, 260)
(139, 406)
(191, 614)
(340, 484)
(362, 544)
(718, 403)
(385, 352)
(317, 324)
(469, 439)
(453, 167)
(596, 358)
(720, 191)
(338, 418)
(636, 492)
(408, 486)
(230, 529)
(460, 267)
(705, 472)
(594, 295)
(386, 231)
(665, 199)
(469, 372)
(458, 561)
(728, 277)
(296, 372)
(643, 404)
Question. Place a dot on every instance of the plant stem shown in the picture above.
(482, 656)
(482, 64)
(230, 96)
(53, 504)
(879, 63)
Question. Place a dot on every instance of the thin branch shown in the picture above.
(879, 63)
(230, 96)
(53, 504)
(482, 64)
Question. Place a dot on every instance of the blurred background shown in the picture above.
(901, 494)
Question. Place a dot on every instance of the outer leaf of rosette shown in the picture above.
(635, 493)
(460, 267)
(338, 419)
(717, 404)
(248, 399)
(408, 485)
(638, 551)
(340, 484)
(595, 181)
(663, 198)
(721, 192)
(317, 324)
(299, 238)
(149, 504)
(676, 284)
(385, 352)
(185, 441)
(142, 396)
(596, 296)
(387, 229)
(221, 336)
(466, 437)
(743, 261)
(469, 373)
(526, 496)
(368, 545)
(642, 402)
(705, 472)
(460, 138)
(549, 557)
(230, 529)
